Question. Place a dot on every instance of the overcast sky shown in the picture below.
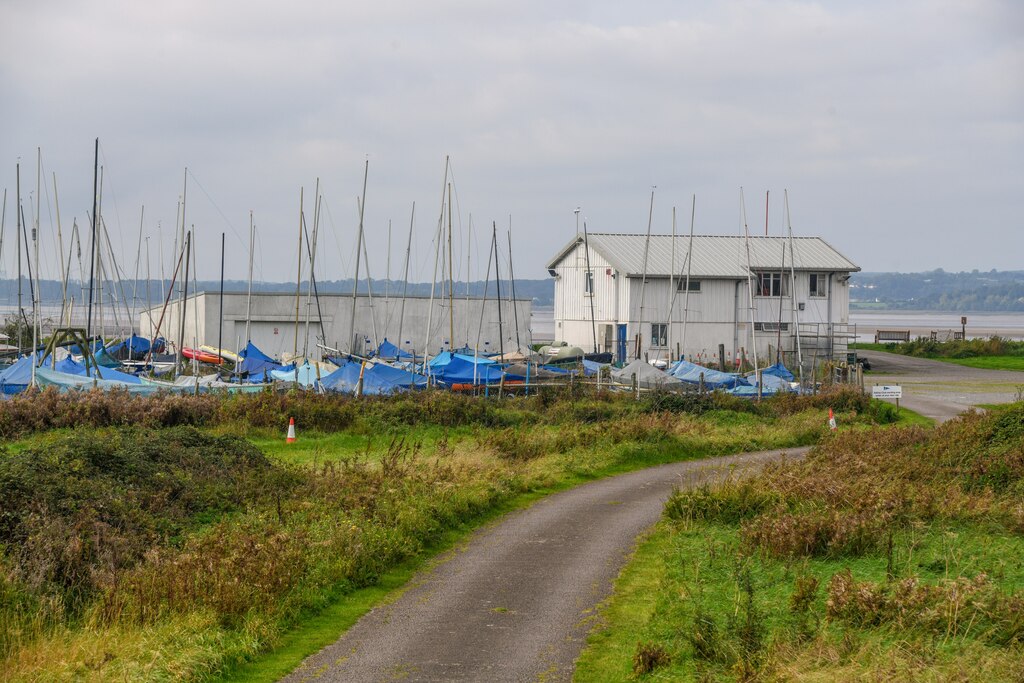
(897, 126)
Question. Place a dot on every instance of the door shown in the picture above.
(621, 355)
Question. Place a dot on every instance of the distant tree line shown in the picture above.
(938, 290)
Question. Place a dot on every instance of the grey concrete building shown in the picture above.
(273, 328)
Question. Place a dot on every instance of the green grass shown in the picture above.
(679, 569)
(989, 362)
(910, 541)
(871, 346)
(317, 546)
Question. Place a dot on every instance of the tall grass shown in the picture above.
(131, 526)
(896, 549)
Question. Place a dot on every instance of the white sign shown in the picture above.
(887, 391)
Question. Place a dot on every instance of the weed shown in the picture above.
(648, 657)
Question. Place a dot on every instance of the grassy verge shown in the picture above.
(884, 556)
(151, 553)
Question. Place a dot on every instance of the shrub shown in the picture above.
(648, 657)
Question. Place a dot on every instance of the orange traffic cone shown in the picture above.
(291, 430)
(831, 420)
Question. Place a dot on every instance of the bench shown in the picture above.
(882, 336)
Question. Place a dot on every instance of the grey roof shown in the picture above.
(722, 256)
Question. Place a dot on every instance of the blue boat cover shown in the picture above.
(779, 370)
(305, 374)
(591, 368)
(378, 379)
(464, 370)
(18, 376)
(255, 361)
(132, 348)
(389, 351)
(713, 379)
(72, 367)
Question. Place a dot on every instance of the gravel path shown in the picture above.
(517, 601)
(941, 390)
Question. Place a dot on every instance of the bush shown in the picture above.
(648, 657)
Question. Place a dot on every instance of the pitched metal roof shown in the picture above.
(722, 256)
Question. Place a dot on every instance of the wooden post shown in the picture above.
(721, 357)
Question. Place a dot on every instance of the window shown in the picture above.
(659, 334)
(681, 285)
(769, 284)
(588, 283)
(819, 284)
(771, 327)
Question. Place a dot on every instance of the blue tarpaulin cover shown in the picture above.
(255, 361)
(779, 370)
(713, 379)
(378, 378)
(18, 376)
(389, 351)
(465, 370)
(73, 367)
(305, 374)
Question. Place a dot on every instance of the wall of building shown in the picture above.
(273, 330)
(718, 314)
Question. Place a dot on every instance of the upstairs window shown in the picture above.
(819, 284)
(681, 285)
(588, 283)
(770, 284)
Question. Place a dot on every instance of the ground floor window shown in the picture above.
(659, 334)
(771, 327)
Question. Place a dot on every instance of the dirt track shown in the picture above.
(941, 390)
(516, 603)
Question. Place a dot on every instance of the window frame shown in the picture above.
(589, 283)
(772, 277)
(695, 286)
(662, 338)
(819, 280)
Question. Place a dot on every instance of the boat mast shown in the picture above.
(405, 278)
(589, 275)
(512, 276)
(135, 286)
(689, 264)
(92, 258)
(355, 279)
(298, 278)
(643, 281)
(369, 297)
(60, 250)
(36, 320)
(3, 225)
(187, 245)
(750, 289)
(248, 296)
(451, 279)
(672, 286)
(220, 317)
(497, 285)
(312, 261)
(18, 215)
(792, 277)
(437, 256)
